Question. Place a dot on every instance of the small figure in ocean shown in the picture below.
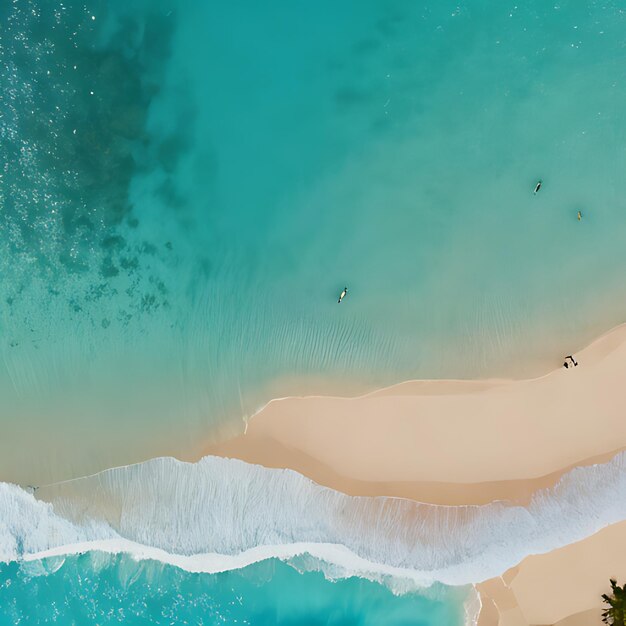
(537, 186)
(572, 359)
(580, 215)
(342, 295)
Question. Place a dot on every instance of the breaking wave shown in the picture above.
(221, 514)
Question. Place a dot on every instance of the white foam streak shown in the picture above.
(221, 514)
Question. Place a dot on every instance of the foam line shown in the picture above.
(221, 514)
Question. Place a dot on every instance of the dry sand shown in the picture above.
(449, 441)
(459, 442)
(562, 587)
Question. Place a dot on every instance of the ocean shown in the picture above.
(186, 188)
(97, 588)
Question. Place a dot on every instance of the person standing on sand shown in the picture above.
(572, 359)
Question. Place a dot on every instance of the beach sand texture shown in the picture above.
(417, 440)
(562, 587)
(422, 439)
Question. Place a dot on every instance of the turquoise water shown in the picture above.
(187, 187)
(96, 588)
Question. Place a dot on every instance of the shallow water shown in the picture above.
(96, 588)
(187, 189)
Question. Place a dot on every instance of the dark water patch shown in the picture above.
(159, 285)
(72, 264)
(148, 248)
(366, 46)
(171, 196)
(113, 242)
(149, 302)
(98, 291)
(78, 80)
(169, 151)
(381, 124)
(129, 264)
(351, 96)
(389, 25)
(108, 269)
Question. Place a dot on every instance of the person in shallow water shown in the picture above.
(580, 215)
(572, 359)
(537, 186)
(342, 295)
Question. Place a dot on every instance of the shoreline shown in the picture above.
(413, 440)
(462, 442)
(514, 592)
(420, 437)
(561, 587)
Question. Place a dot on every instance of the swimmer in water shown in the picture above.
(342, 295)
(580, 215)
(537, 186)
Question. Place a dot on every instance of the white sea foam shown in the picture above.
(221, 514)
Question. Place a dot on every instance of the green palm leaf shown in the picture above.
(615, 614)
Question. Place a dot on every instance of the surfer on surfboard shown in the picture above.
(537, 186)
(342, 295)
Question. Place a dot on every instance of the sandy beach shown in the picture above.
(562, 587)
(449, 442)
(458, 442)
